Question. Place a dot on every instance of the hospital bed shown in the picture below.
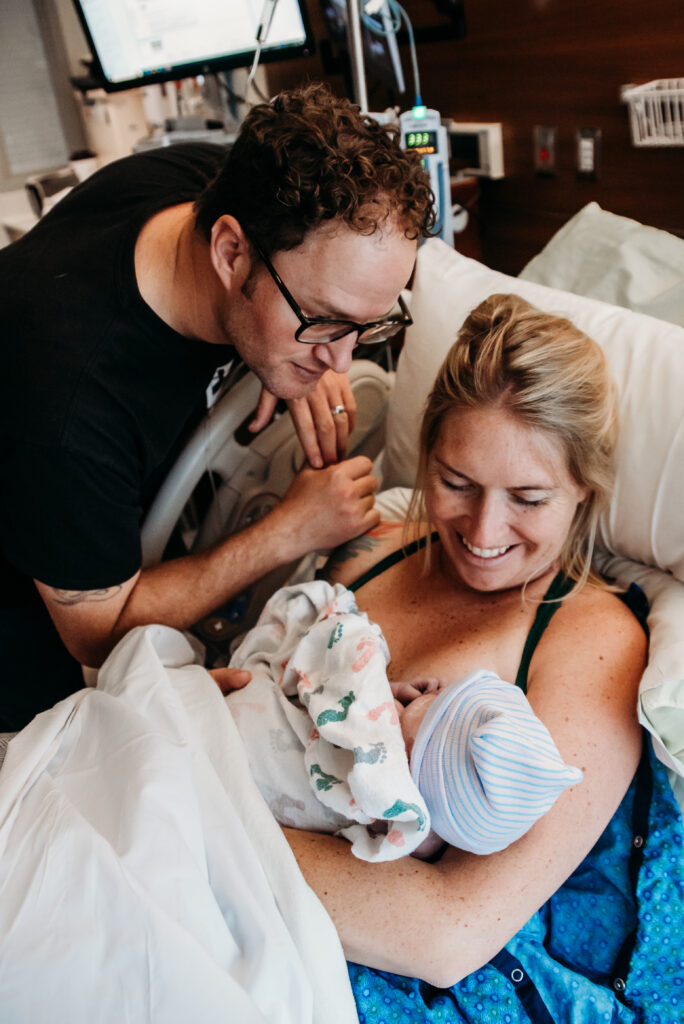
(142, 876)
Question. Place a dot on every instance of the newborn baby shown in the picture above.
(485, 765)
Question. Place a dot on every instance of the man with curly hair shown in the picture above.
(120, 305)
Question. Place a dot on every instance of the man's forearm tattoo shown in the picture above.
(69, 597)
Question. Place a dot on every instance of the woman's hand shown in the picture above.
(229, 679)
(406, 690)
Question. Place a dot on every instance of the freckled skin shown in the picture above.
(489, 633)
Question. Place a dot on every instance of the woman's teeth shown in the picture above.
(485, 552)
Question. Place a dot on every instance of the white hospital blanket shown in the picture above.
(320, 725)
(142, 877)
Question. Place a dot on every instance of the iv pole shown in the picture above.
(355, 42)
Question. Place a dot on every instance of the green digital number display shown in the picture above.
(424, 142)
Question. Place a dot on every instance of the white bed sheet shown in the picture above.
(142, 877)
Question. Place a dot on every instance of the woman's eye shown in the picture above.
(529, 502)
(455, 487)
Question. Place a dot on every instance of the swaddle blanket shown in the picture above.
(320, 726)
(486, 765)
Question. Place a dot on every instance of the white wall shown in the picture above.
(32, 135)
(75, 45)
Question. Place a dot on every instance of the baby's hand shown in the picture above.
(406, 690)
(429, 847)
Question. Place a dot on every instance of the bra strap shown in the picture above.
(385, 563)
(560, 585)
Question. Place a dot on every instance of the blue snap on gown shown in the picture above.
(607, 948)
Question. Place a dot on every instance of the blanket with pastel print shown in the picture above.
(320, 726)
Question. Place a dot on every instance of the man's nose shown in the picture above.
(337, 355)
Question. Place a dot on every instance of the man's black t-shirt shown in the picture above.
(97, 392)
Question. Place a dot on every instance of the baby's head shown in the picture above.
(485, 765)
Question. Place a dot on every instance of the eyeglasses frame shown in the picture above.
(309, 321)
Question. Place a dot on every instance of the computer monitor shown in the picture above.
(139, 42)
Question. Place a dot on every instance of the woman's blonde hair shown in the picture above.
(548, 375)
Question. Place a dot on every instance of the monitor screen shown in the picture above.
(138, 42)
(424, 143)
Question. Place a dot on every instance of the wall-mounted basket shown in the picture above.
(656, 112)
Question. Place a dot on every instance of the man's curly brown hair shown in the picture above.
(308, 157)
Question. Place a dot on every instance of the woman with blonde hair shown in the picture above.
(579, 920)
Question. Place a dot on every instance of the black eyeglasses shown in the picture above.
(321, 330)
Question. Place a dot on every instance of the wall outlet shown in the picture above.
(544, 138)
(588, 143)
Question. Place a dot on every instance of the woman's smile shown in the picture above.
(485, 553)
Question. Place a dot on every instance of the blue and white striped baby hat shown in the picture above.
(485, 765)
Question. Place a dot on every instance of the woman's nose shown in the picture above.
(337, 354)
(487, 521)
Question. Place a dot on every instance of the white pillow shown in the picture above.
(616, 259)
(661, 691)
(645, 521)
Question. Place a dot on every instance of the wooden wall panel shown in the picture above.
(556, 62)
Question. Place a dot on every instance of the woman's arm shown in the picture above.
(441, 921)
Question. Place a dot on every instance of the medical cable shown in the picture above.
(398, 14)
(262, 31)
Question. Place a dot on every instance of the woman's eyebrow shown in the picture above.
(450, 469)
(521, 487)
(533, 487)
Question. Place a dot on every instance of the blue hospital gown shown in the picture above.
(600, 951)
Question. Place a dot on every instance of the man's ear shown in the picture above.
(230, 252)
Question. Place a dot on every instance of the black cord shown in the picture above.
(235, 99)
(232, 96)
(257, 90)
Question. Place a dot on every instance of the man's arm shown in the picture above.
(322, 508)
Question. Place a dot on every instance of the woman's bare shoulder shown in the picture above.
(348, 562)
(600, 617)
(595, 643)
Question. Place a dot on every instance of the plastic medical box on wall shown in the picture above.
(479, 145)
(656, 112)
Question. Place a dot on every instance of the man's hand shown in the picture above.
(323, 508)
(323, 436)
